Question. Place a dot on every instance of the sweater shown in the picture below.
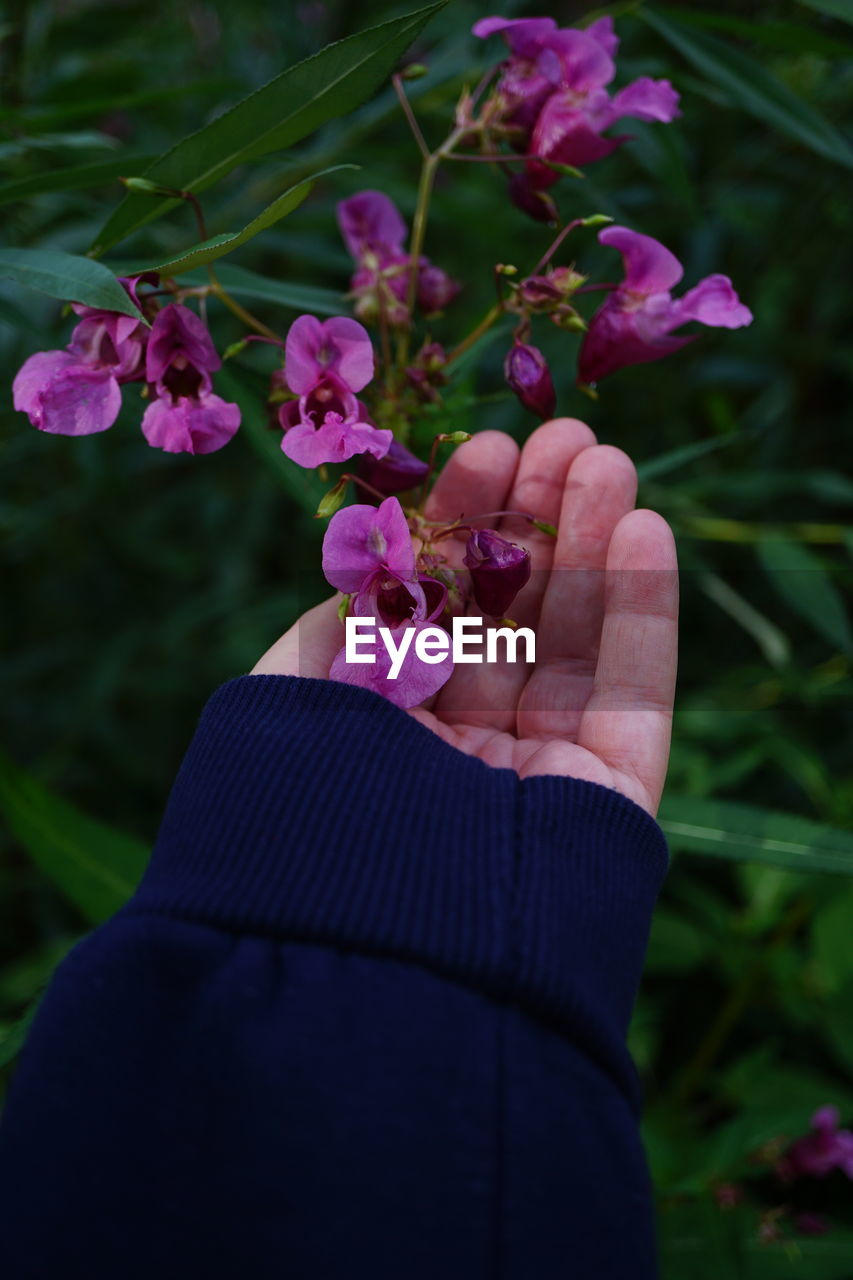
(365, 1015)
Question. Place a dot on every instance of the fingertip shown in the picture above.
(561, 428)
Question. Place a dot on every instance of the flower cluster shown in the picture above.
(552, 105)
(374, 233)
(394, 574)
(820, 1152)
(76, 392)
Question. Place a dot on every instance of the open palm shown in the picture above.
(602, 600)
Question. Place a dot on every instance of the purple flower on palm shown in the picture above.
(325, 364)
(499, 569)
(636, 322)
(185, 416)
(368, 554)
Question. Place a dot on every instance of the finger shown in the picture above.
(601, 489)
(309, 647)
(628, 718)
(487, 694)
(539, 486)
(477, 478)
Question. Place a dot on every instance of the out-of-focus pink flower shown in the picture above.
(552, 102)
(528, 375)
(499, 569)
(374, 232)
(368, 553)
(635, 323)
(325, 363)
(820, 1152)
(185, 416)
(75, 392)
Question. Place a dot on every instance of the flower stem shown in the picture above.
(250, 321)
(477, 332)
(410, 116)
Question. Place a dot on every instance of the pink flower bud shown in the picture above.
(397, 471)
(528, 375)
(435, 288)
(499, 569)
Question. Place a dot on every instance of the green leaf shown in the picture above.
(285, 293)
(66, 276)
(297, 102)
(681, 456)
(800, 578)
(835, 8)
(94, 865)
(305, 487)
(74, 178)
(747, 833)
(791, 37)
(753, 88)
(219, 245)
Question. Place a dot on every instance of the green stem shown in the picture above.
(477, 332)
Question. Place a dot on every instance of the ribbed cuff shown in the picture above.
(316, 811)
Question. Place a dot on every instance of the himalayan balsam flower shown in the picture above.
(185, 416)
(374, 232)
(368, 553)
(499, 569)
(552, 95)
(635, 323)
(826, 1148)
(325, 364)
(527, 373)
(75, 392)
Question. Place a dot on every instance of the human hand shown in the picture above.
(602, 600)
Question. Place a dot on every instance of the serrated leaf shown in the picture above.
(747, 833)
(94, 865)
(801, 580)
(66, 276)
(753, 88)
(73, 178)
(218, 246)
(294, 104)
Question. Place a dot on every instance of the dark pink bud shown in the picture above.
(528, 375)
(435, 289)
(499, 569)
(398, 470)
(811, 1224)
(531, 199)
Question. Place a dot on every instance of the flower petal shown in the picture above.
(602, 31)
(64, 397)
(340, 346)
(190, 426)
(617, 337)
(646, 99)
(416, 681)
(371, 220)
(35, 377)
(335, 441)
(523, 35)
(362, 539)
(576, 61)
(713, 301)
(179, 333)
(649, 266)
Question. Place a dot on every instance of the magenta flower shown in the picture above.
(75, 392)
(368, 554)
(374, 233)
(185, 416)
(325, 363)
(635, 323)
(499, 569)
(820, 1152)
(528, 375)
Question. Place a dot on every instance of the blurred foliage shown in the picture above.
(135, 582)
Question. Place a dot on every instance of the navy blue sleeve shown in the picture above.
(365, 1016)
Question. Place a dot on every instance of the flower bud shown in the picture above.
(499, 569)
(435, 289)
(531, 200)
(528, 375)
(399, 469)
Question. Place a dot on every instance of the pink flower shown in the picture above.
(499, 569)
(185, 416)
(399, 469)
(527, 374)
(368, 554)
(635, 323)
(374, 233)
(325, 364)
(552, 99)
(826, 1148)
(75, 392)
